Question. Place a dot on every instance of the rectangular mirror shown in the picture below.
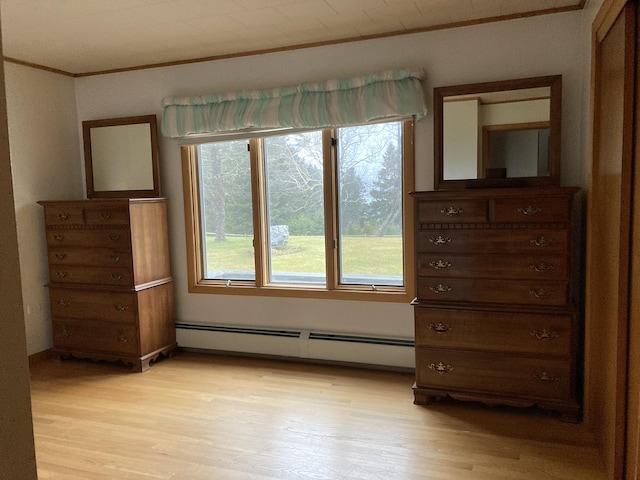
(121, 157)
(495, 134)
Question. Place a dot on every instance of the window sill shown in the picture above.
(360, 294)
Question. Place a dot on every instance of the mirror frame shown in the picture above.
(555, 119)
(88, 159)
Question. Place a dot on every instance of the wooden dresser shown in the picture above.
(495, 319)
(110, 288)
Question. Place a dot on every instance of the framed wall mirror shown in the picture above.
(498, 134)
(121, 157)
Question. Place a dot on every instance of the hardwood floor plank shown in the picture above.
(200, 416)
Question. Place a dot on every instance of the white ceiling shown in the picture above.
(86, 36)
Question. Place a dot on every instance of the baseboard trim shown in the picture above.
(282, 358)
(36, 358)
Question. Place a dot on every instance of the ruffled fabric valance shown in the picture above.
(332, 103)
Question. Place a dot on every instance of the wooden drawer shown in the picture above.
(63, 215)
(500, 241)
(98, 337)
(453, 211)
(503, 374)
(531, 209)
(494, 331)
(92, 305)
(482, 290)
(74, 274)
(547, 267)
(82, 238)
(90, 256)
(107, 215)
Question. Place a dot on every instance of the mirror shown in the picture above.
(498, 134)
(121, 157)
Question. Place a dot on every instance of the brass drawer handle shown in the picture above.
(106, 215)
(440, 264)
(541, 241)
(120, 307)
(541, 267)
(122, 338)
(529, 210)
(115, 258)
(540, 293)
(114, 238)
(60, 274)
(440, 240)
(544, 334)
(451, 211)
(58, 237)
(441, 368)
(65, 333)
(545, 377)
(440, 289)
(116, 276)
(440, 327)
(63, 303)
(60, 256)
(63, 216)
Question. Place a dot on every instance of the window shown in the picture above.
(323, 214)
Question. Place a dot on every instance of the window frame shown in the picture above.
(332, 290)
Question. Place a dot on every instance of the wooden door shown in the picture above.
(611, 313)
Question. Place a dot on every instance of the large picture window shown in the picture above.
(322, 213)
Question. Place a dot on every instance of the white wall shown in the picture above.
(536, 46)
(45, 159)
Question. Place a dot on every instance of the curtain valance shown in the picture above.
(332, 103)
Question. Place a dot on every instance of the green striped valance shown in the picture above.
(333, 103)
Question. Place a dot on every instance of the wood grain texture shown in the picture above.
(204, 417)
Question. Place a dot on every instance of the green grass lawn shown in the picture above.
(305, 254)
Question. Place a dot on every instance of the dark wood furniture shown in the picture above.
(495, 319)
(110, 287)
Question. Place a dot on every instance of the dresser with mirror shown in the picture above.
(110, 285)
(495, 313)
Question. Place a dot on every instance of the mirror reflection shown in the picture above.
(121, 157)
(486, 134)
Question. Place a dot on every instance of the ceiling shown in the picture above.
(92, 36)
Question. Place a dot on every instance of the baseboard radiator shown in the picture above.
(307, 344)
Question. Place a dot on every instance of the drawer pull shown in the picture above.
(116, 276)
(114, 238)
(65, 333)
(451, 211)
(529, 210)
(545, 377)
(106, 215)
(122, 338)
(63, 216)
(440, 289)
(540, 293)
(440, 240)
(58, 237)
(63, 303)
(441, 368)
(541, 267)
(440, 264)
(544, 334)
(440, 327)
(120, 307)
(60, 256)
(115, 258)
(541, 241)
(60, 274)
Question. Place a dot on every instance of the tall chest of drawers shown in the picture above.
(495, 317)
(110, 286)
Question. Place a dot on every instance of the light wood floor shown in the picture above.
(212, 417)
